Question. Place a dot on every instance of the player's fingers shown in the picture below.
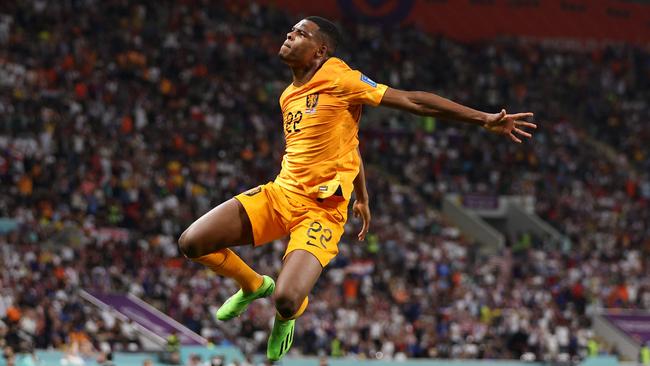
(500, 116)
(520, 115)
(514, 138)
(522, 133)
(364, 230)
(525, 124)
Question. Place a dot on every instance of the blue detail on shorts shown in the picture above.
(368, 81)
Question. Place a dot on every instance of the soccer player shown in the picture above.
(321, 167)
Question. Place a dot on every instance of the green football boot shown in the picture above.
(281, 339)
(237, 303)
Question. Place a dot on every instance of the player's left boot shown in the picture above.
(281, 338)
(237, 303)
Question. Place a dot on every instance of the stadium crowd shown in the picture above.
(122, 123)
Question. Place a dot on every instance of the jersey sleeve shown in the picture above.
(356, 88)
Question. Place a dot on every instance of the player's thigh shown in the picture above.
(224, 226)
(265, 208)
(314, 242)
(249, 218)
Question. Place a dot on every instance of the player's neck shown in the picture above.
(302, 74)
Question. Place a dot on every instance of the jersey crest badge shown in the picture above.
(311, 102)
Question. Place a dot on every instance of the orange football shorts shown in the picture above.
(314, 226)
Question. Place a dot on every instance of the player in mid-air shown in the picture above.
(321, 167)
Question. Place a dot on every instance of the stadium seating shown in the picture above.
(121, 127)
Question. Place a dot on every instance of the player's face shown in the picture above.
(302, 44)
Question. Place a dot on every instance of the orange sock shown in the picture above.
(227, 263)
(298, 313)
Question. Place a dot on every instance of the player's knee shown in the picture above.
(189, 244)
(287, 303)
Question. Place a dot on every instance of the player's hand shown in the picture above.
(361, 208)
(509, 125)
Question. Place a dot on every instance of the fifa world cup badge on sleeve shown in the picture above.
(368, 81)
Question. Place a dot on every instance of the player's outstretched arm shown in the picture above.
(429, 104)
(361, 206)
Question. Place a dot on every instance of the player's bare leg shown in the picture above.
(299, 273)
(224, 226)
(207, 241)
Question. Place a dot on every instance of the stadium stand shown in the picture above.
(121, 123)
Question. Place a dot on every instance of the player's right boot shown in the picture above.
(237, 303)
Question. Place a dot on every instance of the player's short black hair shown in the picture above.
(329, 30)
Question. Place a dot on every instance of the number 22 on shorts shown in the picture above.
(315, 229)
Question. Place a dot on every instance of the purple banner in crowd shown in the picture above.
(148, 317)
(480, 201)
(635, 325)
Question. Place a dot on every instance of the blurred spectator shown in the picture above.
(8, 356)
(120, 128)
(217, 361)
(106, 359)
(172, 353)
(194, 360)
(644, 355)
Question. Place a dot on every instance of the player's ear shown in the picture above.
(322, 50)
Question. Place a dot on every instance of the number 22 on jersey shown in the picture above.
(291, 121)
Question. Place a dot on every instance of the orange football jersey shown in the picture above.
(321, 124)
